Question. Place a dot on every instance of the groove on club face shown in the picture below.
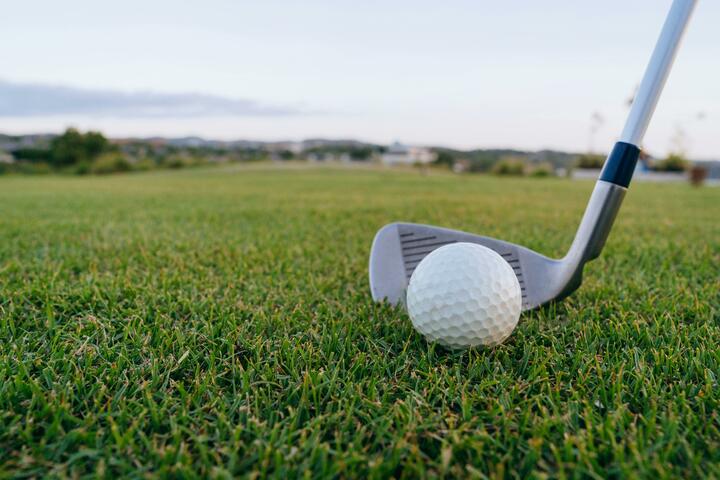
(515, 264)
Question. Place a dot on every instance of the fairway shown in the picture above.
(219, 322)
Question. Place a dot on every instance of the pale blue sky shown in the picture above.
(480, 73)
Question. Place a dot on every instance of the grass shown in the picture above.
(218, 323)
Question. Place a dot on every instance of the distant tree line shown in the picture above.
(74, 152)
(92, 153)
(504, 161)
(70, 148)
(674, 162)
(513, 162)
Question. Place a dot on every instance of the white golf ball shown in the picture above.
(464, 295)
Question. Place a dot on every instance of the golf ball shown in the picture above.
(464, 295)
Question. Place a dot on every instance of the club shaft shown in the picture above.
(657, 72)
(618, 170)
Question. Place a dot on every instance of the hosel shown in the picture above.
(604, 204)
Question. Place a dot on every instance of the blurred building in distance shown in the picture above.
(399, 154)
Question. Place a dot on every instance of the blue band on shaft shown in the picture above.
(620, 164)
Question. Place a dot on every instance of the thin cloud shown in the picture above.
(32, 100)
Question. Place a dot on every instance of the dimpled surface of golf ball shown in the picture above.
(464, 295)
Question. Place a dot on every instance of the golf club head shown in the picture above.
(399, 247)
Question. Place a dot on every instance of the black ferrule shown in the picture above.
(620, 164)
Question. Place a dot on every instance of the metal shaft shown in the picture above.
(657, 72)
(610, 189)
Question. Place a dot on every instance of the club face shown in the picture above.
(399, 247)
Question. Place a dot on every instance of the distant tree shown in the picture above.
(445, 158)
(32, 154)
(95, 143)
(286, 155)
(73, 147)
(67, 149)
(590, 160)
(485, 160)
(360, 154)
(675, 162)
(544, 169)
(110, 163)
(509, 166)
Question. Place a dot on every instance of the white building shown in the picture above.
(399, 154)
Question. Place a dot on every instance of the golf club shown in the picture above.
(399, 247)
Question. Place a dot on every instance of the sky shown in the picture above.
(529, 74)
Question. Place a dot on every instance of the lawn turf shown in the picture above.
(219, 322)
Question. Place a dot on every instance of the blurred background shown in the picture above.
(514, 87)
